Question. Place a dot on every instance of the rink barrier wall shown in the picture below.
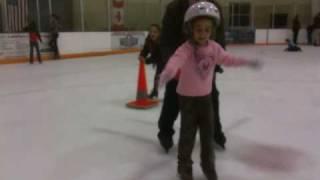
(14, 48)
(278, 36)
(17, 60)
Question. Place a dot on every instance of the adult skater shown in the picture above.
(295, 29)
(54, 35)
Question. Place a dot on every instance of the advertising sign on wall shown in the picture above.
(121, 40)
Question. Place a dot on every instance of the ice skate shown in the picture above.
(166, 142)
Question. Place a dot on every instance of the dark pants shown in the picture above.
(36, 46)
(170, 110)
(196, 113)
(216, 109)
(310, 38)
(156, 81)
(54, 45)
(295, 36)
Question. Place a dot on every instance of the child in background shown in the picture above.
(292, 47)
(150, 54)
(34, 38)
(196, 59)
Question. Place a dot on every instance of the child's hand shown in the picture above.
(219, 69)
(141, 58)
(255, 64)
(154, 65)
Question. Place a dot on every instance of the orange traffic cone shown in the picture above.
(142, 100)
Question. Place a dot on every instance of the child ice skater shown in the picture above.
(34, 38)
(150, 54)
(196, 60)
(292, 47)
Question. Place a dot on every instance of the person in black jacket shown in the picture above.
(295, 29)
(150, 54)
(309, 34)
(54, 33)
(172, 36)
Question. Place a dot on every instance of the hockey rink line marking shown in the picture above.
(237, 124)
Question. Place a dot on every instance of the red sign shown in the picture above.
(118, 15)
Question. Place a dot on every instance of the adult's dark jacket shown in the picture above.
(172, 35)
(296, 24)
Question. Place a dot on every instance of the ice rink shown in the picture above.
(67, 120)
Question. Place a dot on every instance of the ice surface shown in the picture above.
(67, 120)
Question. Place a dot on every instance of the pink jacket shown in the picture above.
(197, 67)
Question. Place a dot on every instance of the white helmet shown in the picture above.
(201, 9)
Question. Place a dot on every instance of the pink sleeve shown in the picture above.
(176, 61)
(226, 59)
